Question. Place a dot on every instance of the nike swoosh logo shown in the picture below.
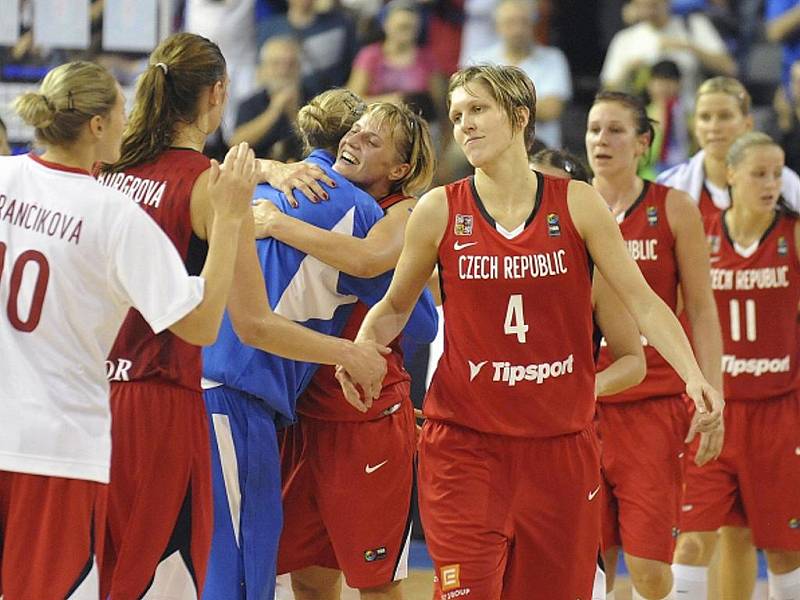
(459, 246)
(370, 469)
(594, 493)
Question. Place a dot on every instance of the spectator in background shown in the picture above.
(782, 26)
(231, 25)
(397, 70)
(477, 31)
(266, 119)
(5, 148)
(787, 107)
(327, 41)
(445, 23)
(691, 42)
(671, 143)
(545, 65)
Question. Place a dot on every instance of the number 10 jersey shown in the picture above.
(518, 350)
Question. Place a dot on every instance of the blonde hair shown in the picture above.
(327, 117)
(751, 139)
(728, 86)
(68, 97)
(509, 86)
(180, 68)
(412, 140)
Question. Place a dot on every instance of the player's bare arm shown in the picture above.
(691, 250)
(361, 257)
(623, 339)
(224, 192)
(653, 317)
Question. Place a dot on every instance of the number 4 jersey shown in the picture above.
(757, 294)
(518, 350)
(74, 257)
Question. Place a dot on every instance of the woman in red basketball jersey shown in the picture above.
(664, 234)
(755, 274)
(509, 466)
(160, 499)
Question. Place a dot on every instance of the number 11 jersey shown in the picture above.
(518, 349)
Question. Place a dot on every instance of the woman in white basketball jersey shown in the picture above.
(74, 257)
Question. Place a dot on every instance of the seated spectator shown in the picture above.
(477, 29)
(545, 65)
(787, 107)
(265, 120)
(327, 41)
(5, 148)
(782, 26)
(397, 70)
(670, 145)
(691, 42)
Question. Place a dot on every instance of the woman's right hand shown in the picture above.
(231, 184)
(301, 176)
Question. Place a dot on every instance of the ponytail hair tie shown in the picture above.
(163, 67)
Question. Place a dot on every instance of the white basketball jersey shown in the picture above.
(74, 257)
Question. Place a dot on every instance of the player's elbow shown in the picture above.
(196, 333)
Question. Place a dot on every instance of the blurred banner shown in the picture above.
(130, 25)
(61, 23)
(9, 24)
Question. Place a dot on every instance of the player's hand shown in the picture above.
(231, 184)
(301, 176)
(265, 215)
(710, 446)
(365, 367)
(709, 406)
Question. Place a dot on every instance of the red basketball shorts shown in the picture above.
(347, 497)
(756, 480)
(507, 517)
(160, 502)
(642, 453)
(51, 529)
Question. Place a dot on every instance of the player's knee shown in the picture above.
(652, 579)
(315, 585)
(694, 549)
(780, 562)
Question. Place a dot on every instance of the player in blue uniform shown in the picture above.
(249, 392)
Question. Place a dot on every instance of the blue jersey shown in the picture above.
(308, 291)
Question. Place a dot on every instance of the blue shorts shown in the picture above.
(246, 477)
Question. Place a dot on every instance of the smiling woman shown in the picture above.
(477, 421)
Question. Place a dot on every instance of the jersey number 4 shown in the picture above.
(39, 290)
(515, 319)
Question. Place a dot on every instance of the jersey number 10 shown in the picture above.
(39, 290)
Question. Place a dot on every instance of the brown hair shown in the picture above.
(412, 139)
(68, 97)
(643, 123)
(180, 68)
(729, 86)
(327, 117)
(509, 86)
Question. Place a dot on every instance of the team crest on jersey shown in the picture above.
(783, 247)
(652, 216)
(714, 244)
(463, 225)
(450, 577)
(553, 226)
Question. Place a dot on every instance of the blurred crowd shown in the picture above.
(283, 52)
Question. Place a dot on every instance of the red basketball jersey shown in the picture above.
(646, 231)
(163, 188)
(757, 299)
(323, 398)
(518, 353)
